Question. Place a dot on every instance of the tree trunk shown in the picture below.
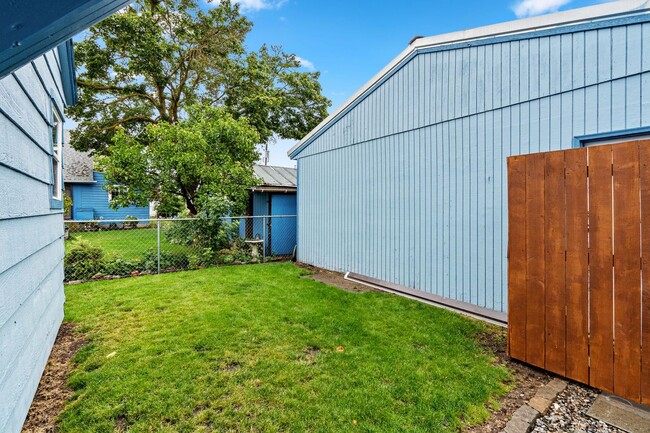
(190, 207)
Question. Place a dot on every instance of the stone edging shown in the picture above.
(523, 419)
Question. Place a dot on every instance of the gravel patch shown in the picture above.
(569, 413)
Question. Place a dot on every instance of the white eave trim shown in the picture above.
(573, 16)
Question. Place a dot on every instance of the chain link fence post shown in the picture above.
(158, 236)
(264, 238)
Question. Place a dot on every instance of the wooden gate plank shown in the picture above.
(554, 209)
(577, 289)
(535, 260)
(627, 271)
(644, 168)
(517, 257)
(601, 350)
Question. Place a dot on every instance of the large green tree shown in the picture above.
(147, 64)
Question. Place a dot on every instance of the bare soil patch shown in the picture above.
(335, 279)
(525, 382)
(53, 390)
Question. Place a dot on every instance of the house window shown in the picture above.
(57, 147)
(113, 193)
(613, 137)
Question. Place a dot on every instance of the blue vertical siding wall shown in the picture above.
(283, 230)
(409, 186)
(31, 235)
(91, 200)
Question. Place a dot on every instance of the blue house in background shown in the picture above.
(90, 201)
(275, 196)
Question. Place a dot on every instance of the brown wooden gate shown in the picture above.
(579, 265)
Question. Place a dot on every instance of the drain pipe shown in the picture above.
(495, 318)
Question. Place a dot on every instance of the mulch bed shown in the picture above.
(53, 390)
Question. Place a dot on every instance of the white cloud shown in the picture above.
(258, 5)
(529, 8)
(305, 63)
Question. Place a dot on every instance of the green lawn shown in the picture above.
(257, 349)
(127, 244)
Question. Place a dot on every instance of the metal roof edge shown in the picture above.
(520, 26)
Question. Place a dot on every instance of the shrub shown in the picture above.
(205, 257)
(83, 261)
(130, 222)
(119, 266)
(83, 227)
(176, 260)
(208, 230)
(237, 252)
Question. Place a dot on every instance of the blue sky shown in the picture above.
(350, 41)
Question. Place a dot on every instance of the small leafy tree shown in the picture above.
(172, 98)
(208, 155)
(209, 230)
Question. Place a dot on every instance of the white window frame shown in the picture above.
(57, 152)
(115, 188)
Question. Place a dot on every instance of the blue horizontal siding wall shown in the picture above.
(410, 185)
(90, 201)
(31, 235)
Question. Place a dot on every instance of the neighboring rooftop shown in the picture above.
(77, 166)
(275, 177)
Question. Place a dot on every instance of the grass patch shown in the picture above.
(258, 349)
(128, 244)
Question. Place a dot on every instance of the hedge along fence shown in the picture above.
(102, 249)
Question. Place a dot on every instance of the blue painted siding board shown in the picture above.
(515, 78)
(490, 258)
(645, 98)
(604, 54)
(430, 203)
(499, 151)
(618, 105)
(578, 60)
(31, 235)
(619, 47)
(480, 206)
(18, 282)
(632, 90)
(524, 71)
(94, 197)
(566, 62)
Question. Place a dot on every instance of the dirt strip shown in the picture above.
(53, 390)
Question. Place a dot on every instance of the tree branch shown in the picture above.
(128, 119)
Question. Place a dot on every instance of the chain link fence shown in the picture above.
(107, 249)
